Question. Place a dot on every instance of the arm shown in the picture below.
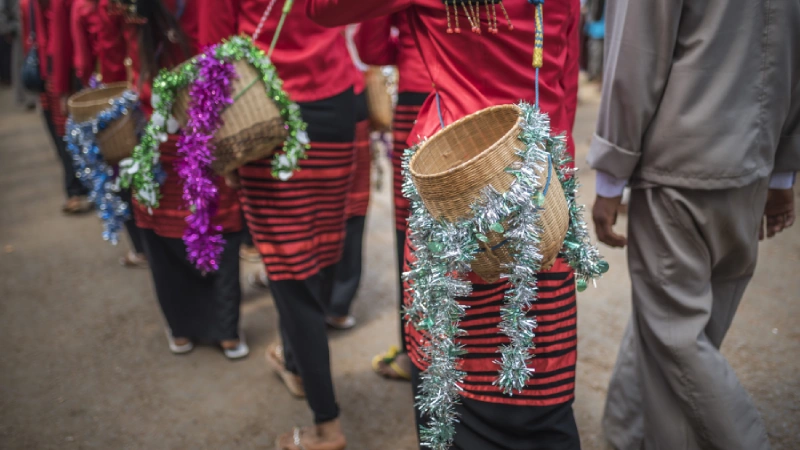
(640, 41)
(333, 13)
(61, 73)
(82, 57)
(218, 19)
(375, 43)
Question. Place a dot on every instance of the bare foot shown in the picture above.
(325, 436)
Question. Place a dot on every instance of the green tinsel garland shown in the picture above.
(140, 170)
(443, 254)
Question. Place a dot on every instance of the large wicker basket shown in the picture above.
(118, 140)
(452, 168)
(379, 100)
(252, 127)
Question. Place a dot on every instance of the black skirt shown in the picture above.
(203, 308)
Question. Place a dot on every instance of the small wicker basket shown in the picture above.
(379, 100)
(118, 140)
(252, 127)
(451, 169)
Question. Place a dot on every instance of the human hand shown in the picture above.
(778, 212)
(604, 214)
(232, 180)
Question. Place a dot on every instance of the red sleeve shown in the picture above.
(375, 43)
(334, 13)
(61, 45)
(111, 42)
(572, 64)
(83, 58)
(218, 19)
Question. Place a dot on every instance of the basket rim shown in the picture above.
(75, 100)
(455, 124)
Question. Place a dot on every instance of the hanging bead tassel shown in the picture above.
(505, 13)
(447, 12)
(538, 43)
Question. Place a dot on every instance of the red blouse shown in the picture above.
(378, 47)
(54, 41)
(93, 46)
(472, 71)
(312, 60)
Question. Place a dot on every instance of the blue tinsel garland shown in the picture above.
(91, 168)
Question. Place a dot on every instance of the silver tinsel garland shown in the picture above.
(444, 251)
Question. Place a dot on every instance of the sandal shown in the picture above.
(240, 351)
(133, 260)
(341, 323)
(294, 441)
(181, 349)
(77, 204)
(292, 381)
(389, 358)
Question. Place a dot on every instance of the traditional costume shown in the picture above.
(472, 69)
(51, 23)
(197, 306)
(95, 49)
(298, 224)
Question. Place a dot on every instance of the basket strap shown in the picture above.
(538, 44)
(287, 6)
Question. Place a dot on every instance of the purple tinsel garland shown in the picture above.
(210, 94)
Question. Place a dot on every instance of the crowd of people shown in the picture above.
(700, 117)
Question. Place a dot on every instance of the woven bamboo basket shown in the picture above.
(379, 100)
(452, 168)
(117, 141)
(252, 127)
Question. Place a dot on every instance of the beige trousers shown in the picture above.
(691, 255)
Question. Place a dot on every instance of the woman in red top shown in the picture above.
(197, 306)
(378, 45)
(471, 71)
(95, 50)
(298, 224)
(50, 22)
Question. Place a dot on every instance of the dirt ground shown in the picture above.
(85, 364)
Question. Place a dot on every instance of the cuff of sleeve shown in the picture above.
(781, 180)
(607, 157)
(609, 186)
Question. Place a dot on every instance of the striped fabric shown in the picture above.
(358, 195)
(298, 225)
(553, 380)
(44, 100)
(404, 117)
(169, 219)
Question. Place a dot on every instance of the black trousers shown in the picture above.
(72, 185)
(348, 271)
(204, 308)
(134, 232)
(495, 426)
(302, 305)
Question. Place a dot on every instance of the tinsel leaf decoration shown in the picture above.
(442, 255)
(141, 170)
(91, 168)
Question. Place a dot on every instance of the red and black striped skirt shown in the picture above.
(169, 219)
(405, 114)
(298, 225)
(556, 352)
(358, 196)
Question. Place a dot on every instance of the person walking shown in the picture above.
(470, 71)
(298, 224)
(700, 112)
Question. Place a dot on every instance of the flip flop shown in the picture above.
(389, 358)
(175, 348)
(292, 381)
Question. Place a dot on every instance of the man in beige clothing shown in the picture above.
(701, 116)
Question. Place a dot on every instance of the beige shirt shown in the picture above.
(701, 94)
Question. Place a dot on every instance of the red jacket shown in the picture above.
(94, 47)
(378, 47)
(312, 60)
(472, 71)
